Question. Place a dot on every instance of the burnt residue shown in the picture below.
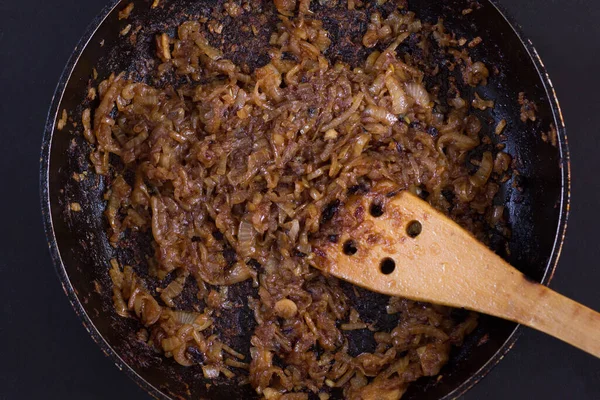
(244, 39)
(298, 253)
(188, 300)
(236, 322)
(371, 306)
(433, 132)
(362, 187)
(346, 28)
(195, 354)
(360, 341)
(330, 210)
(230, 256)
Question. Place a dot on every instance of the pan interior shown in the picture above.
(82, 252)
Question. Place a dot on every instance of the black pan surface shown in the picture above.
(537, 208)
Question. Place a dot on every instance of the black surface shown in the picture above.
(50, 354)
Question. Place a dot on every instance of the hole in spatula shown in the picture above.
(376, 210)
(350, 248)
(387, 266)
(414, 228)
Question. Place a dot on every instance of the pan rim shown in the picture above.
(109, 351)
(55, 254)
(565, 198)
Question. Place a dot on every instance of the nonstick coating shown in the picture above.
(537, 208)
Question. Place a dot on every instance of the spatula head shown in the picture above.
(393, 242)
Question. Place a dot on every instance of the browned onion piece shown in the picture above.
(461, 142)
(484, 171)
(399, 100)
(418, 93)
(343, 117)
(381, 114)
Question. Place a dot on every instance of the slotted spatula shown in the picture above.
(397, 244)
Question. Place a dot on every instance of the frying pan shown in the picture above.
(537, 200)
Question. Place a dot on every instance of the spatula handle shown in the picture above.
(557, 315)
(401, 246)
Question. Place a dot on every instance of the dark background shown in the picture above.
(45, 351)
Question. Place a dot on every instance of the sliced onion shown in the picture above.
(482, 175)
(270, 265)
(457, 102)
(418, 93)
(211, 52)
(202, 322)
(172, 290)
(482, 104)
(502, 162)
(210, 371)
(285, 6)
(356, 100)
(500, 127)
(294, 230)
(239, 273)
(170, 343)
(361, 143)
(427, 330)
(461, 142)
(497, 214)
(185, 317)
(398, 366)
(246, 237)
(399, 99)
(377, 85)
(380, 114)
(304, 246)
(180, 356)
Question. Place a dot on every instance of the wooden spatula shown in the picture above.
(397, 244)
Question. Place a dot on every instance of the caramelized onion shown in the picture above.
(418, 93)
(484, 171)
(239, 176)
